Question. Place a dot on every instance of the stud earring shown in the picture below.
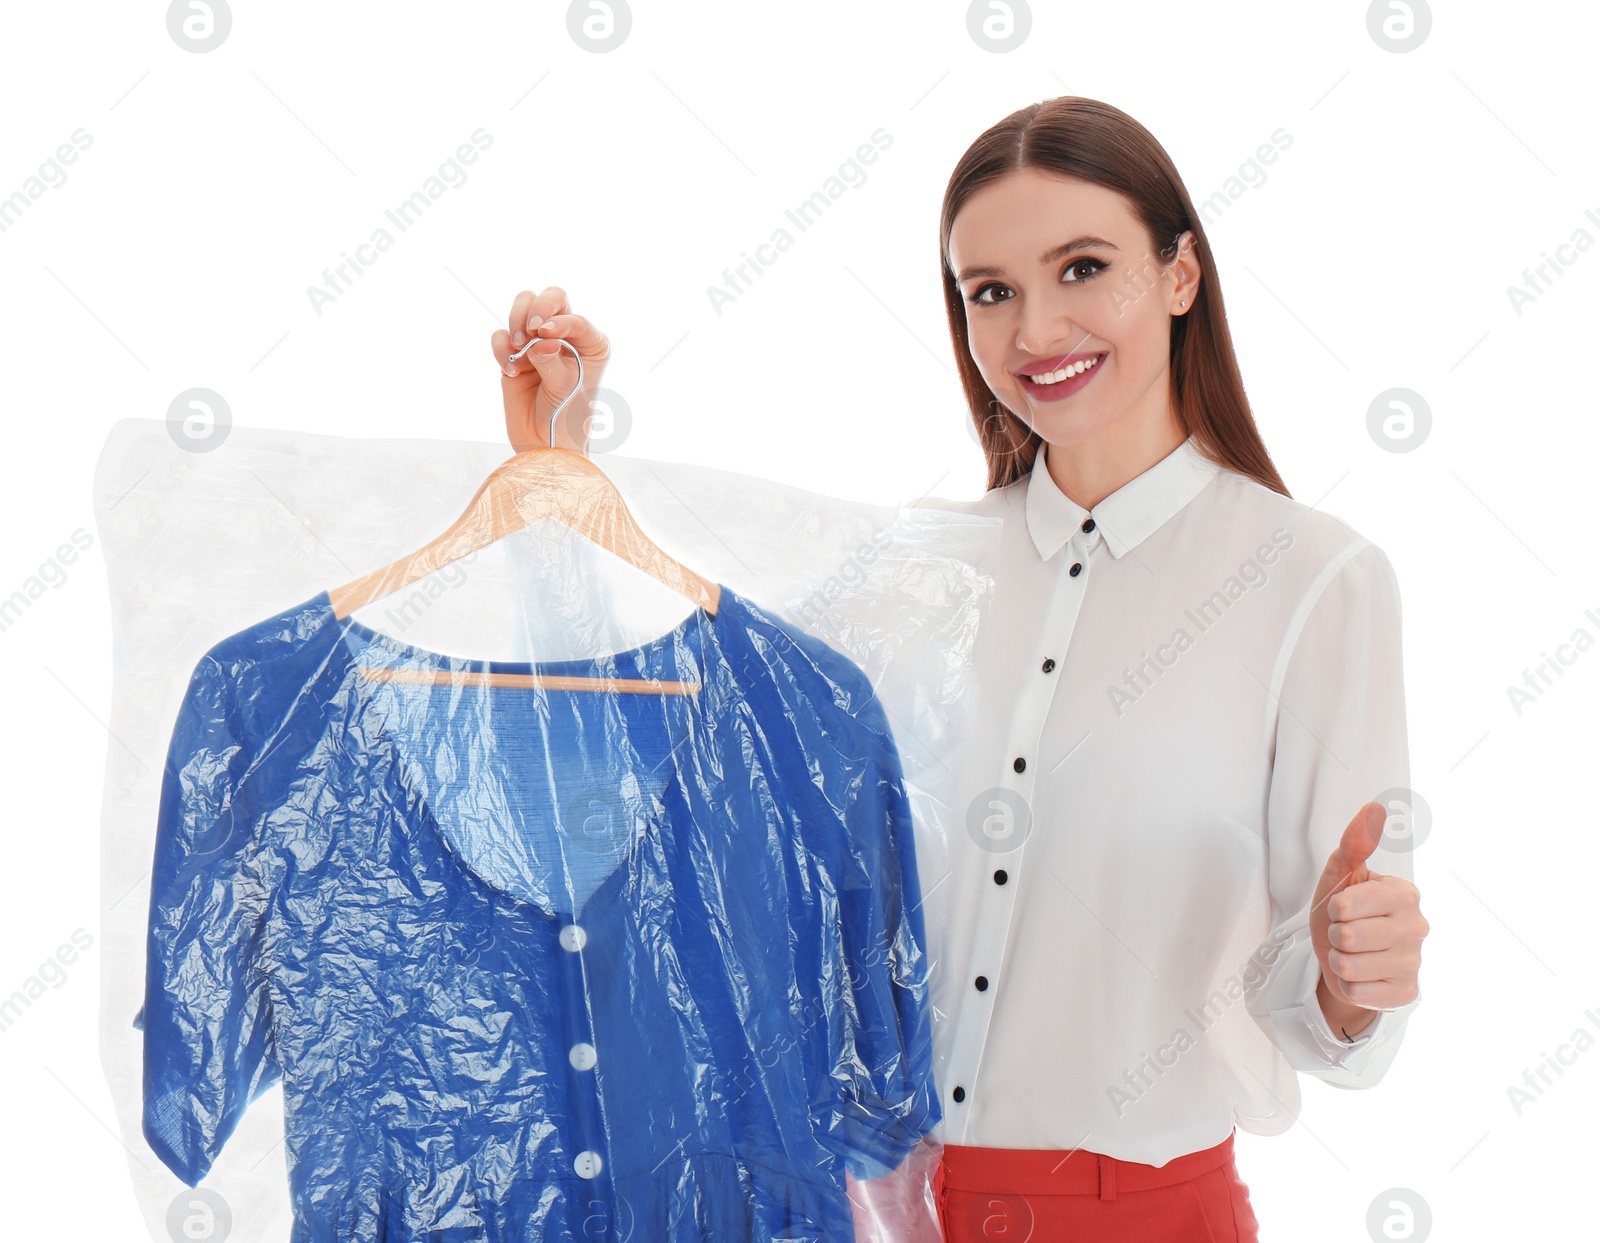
(1185, 302)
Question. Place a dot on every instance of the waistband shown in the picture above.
(1057, 1171)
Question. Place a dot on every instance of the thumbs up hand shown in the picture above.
(1366, 928)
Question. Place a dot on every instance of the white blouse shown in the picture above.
(1184, 694)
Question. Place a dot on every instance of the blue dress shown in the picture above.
(568, 965)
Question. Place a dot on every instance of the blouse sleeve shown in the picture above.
(1339, 742)
(889, 1099)
(207, 1031)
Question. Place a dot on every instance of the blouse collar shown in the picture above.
(1129, 514)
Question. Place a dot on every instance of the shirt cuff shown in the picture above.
(1351, 1055)
(1287, 1009)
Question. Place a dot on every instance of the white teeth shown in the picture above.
(1055, 377)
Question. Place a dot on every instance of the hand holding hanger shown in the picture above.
(534, 381)
(550, 481)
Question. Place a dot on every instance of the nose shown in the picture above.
(1043, 335)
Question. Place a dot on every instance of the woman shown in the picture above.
(1162, 908)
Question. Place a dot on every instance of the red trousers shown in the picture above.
(1020, 1195)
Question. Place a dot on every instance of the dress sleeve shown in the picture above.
(1339, 742)
(889, 1101)
(207, 1024)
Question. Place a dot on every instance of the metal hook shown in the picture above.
(550, 436)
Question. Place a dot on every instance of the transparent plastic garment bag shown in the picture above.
(522, 904)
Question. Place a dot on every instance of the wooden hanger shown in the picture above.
(539, 483)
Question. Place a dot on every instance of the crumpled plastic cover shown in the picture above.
(638, 959)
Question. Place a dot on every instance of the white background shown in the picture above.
(1377, 253)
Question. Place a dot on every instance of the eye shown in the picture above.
(1078, 263)
(976, 296)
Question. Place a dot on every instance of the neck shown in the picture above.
(1088, 471)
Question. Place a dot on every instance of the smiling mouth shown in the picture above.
(1063, 373)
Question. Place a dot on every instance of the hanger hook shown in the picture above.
(550, 436)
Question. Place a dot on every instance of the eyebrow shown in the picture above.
(1087, 242)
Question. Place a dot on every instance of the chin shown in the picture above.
(1067, 427)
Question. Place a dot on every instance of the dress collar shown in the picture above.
(1124, 518)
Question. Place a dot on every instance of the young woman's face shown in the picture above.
(1058, 273)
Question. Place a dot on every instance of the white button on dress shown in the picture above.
(573, 937)
(586, 1164)
(583, 1056)
(1182, 699)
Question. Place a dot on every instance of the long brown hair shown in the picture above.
(1094, 142)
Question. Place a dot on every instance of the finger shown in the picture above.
(552, 301)
(1377, 994)
(515, 361)
(1355, 968)
(541, 348)
(1380, 895)
(517, 320)
(501, 344)
(1370, 933)
(588, 340)
(529, 310)
(1392, 964)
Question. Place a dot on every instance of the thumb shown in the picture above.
(1348, 862)
(543, 358)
